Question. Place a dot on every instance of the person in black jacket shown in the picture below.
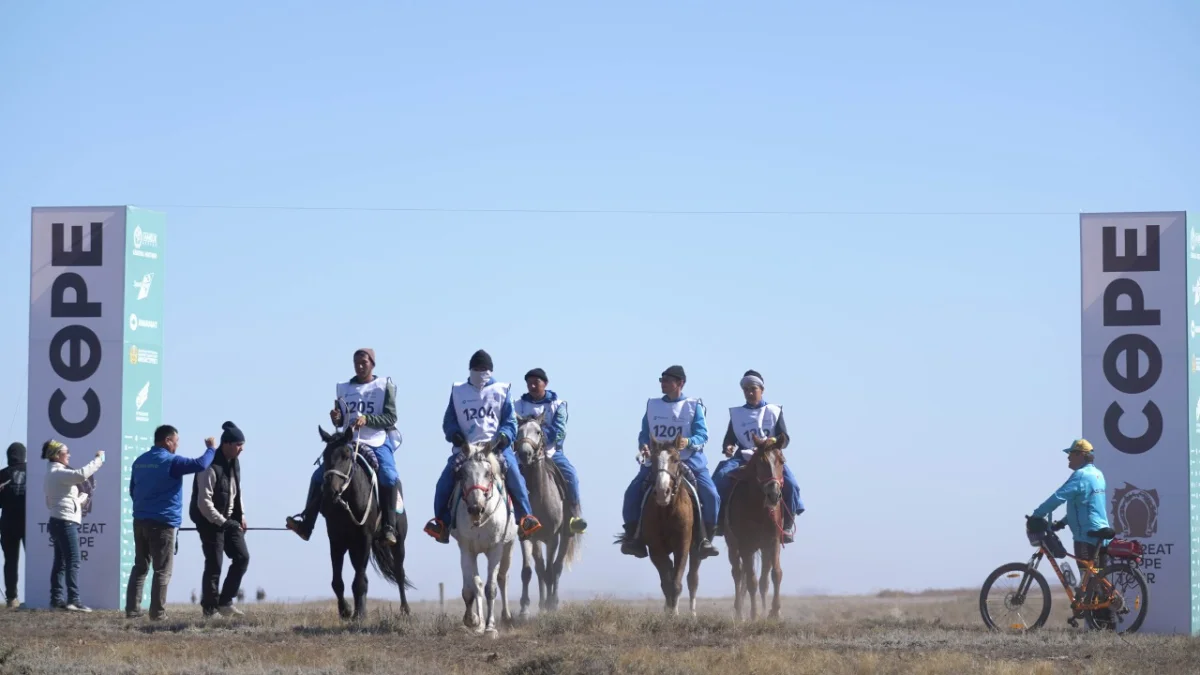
(220, 520)
(12, 519)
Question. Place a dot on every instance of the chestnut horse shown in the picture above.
(668, 519)
(754, 524)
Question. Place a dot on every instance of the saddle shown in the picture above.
(689, 480)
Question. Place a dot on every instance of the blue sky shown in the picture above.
(928, 363)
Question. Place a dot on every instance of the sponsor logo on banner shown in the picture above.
(1135, 516)
(143, 241)
(143, 286)
(139, 401)
(146, 356)
(136, 323)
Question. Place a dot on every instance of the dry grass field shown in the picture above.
(937, 632)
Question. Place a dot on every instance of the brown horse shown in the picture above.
(667, 527)
(754, 524)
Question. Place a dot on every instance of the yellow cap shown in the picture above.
(1079, 445)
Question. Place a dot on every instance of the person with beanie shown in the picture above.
(220, 520)
(544, 402)
(481, 411)
(679, 420)
(156, 488)
(751, 426)
(367, 404)
(64, 502)
(12, 519)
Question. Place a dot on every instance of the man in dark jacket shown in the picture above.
(156, 487)
(12, 519)
(220, 520)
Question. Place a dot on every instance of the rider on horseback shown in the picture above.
(673, 414)
(484, 408)
(765, 421)
(367, 404)
(542, 401)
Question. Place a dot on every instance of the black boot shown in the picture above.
(387, 502)
(303, 525)
(789, 528)
(630, 545)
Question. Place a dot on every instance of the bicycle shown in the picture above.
(1102, 605)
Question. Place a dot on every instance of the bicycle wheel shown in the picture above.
(1130, 597)
(1022, 592)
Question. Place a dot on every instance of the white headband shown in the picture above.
(750, 379)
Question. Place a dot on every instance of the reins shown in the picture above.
(337, 496)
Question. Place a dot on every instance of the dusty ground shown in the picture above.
(930, 633)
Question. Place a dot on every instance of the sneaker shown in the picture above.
(230, 610)
(577, 525)
(707, 550)
(133, 614)
(77, 607)
(13, 603)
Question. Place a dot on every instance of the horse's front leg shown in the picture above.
(526, 575)
(491, 588)
(556, 567)
(662, 562)
(749, 581)
(337, 555)
(360, 557)
(470, 589)
(539, 559)
(777, 579)
(505, 565)
(735, 566)
(693, 579)
(682, 557)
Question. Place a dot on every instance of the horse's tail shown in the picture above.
(574, 550)
(383, 559)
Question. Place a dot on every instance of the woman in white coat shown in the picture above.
(65, 502)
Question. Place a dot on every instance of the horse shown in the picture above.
(352, 521)
(668, 527)
(548, 502)
(484, 524)
(754, 524)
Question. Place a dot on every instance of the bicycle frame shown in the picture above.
(1085, 567)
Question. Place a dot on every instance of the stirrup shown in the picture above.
(577, 525)
(527, 530)
(296, 524)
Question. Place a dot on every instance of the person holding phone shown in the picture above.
(65, 504)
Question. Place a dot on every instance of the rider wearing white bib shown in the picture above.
(480, 411)
(367, 404)
(681, 420)
(542, 401)
(763, 420)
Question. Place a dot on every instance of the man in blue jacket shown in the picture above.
(545, 402)
(678, 419)
(1083, 493)
(481, 411)
(156, 487)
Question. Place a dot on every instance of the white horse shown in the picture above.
(484, 524)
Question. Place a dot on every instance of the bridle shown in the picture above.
(337, 495)
(485, 489)
(537, 450)
(672, 479)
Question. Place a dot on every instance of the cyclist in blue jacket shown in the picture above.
(1083, 494)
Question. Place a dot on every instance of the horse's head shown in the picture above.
(665, 462)
(767, 464)
(530, 445)
(338, 459)
(480, 473)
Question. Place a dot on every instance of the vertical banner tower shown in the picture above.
(1141, 395)
(95, 379)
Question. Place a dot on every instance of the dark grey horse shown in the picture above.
(549, 506)
(352, 520)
